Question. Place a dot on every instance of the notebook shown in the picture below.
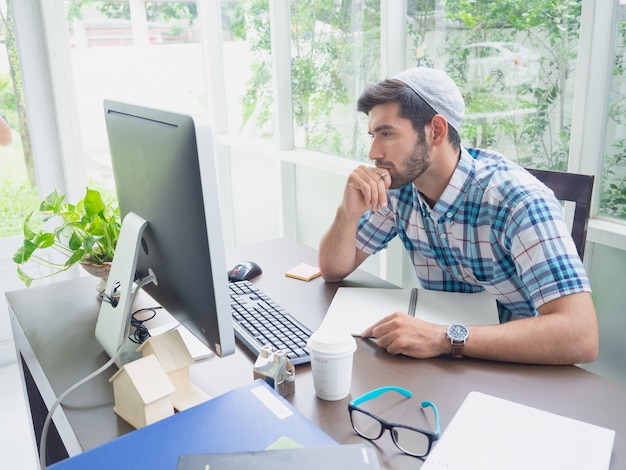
(353, 309)
(490, 433)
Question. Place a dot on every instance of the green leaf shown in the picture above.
(90, 241)
(75, 242)
(76, 257)
(25, 278)
(52, 202)
(29, 231)
(93, 203)
(44, 240)
(24, 253)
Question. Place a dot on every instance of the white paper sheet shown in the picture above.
(489, 433)
(353, 309)
(197, 348)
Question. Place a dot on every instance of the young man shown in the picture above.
(471, 220)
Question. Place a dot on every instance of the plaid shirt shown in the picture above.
(495, 228)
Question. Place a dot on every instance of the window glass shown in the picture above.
(248, 67)
(148, 56)
(335, 48)
(514, 63)
(18, 185)
(248, 72)
(613, 195)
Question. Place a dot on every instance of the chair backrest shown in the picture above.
(571, 187)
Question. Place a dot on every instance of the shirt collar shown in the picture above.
(452, 197)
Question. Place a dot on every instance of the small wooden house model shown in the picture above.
(142, 392)
(172, 353)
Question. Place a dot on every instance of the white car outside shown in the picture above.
(507, 62)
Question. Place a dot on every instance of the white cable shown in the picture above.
(44, 431)
(109, 363)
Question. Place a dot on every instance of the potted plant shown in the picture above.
(85, 233)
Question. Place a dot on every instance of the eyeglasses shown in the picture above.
(410, 440)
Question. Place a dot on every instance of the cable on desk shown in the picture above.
(109, 363)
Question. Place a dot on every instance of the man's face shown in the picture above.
(396, 146)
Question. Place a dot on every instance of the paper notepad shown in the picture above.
(489, 433)
(304, 272)
(353, 309)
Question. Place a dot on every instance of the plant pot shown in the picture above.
(99, 270)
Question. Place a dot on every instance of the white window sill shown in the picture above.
(603, 232)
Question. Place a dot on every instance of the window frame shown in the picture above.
(593, 87)
(43, 48)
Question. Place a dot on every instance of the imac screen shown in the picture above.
(165, 172)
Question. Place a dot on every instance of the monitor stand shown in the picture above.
(113, 324)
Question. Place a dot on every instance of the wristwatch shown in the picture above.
(457, 334)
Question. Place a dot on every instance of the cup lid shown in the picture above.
(328, 341)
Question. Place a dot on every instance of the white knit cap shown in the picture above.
(438, 90)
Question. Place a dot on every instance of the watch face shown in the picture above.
(458, 332)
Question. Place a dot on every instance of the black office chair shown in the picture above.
(571, 187)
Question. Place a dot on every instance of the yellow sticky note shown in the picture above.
(304, 272)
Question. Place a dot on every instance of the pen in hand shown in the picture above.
(413, 302)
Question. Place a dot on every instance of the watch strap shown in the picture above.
(457, 334)
(457, 349)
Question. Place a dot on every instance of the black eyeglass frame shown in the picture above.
(385, 425)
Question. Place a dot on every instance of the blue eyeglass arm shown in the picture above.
(426, 404)
(378, 392)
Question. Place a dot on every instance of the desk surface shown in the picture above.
(54, 327)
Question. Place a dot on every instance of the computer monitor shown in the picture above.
(165, 173)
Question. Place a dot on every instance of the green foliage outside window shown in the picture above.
(335, 49)
(539, 127)
(155, 11)
(330, 44)
(613, 196)
(258, 100)
(529, 117)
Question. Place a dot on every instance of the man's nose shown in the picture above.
(376, 151)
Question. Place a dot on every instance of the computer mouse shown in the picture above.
(244, 271)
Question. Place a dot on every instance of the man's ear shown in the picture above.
(439, 127)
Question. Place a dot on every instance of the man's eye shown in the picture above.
(381, 134)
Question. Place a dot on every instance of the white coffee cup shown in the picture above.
(331, 353)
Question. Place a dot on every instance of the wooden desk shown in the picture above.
(54, 333)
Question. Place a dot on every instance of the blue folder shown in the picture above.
(248, 418)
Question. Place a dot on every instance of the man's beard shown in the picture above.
(414, 167)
